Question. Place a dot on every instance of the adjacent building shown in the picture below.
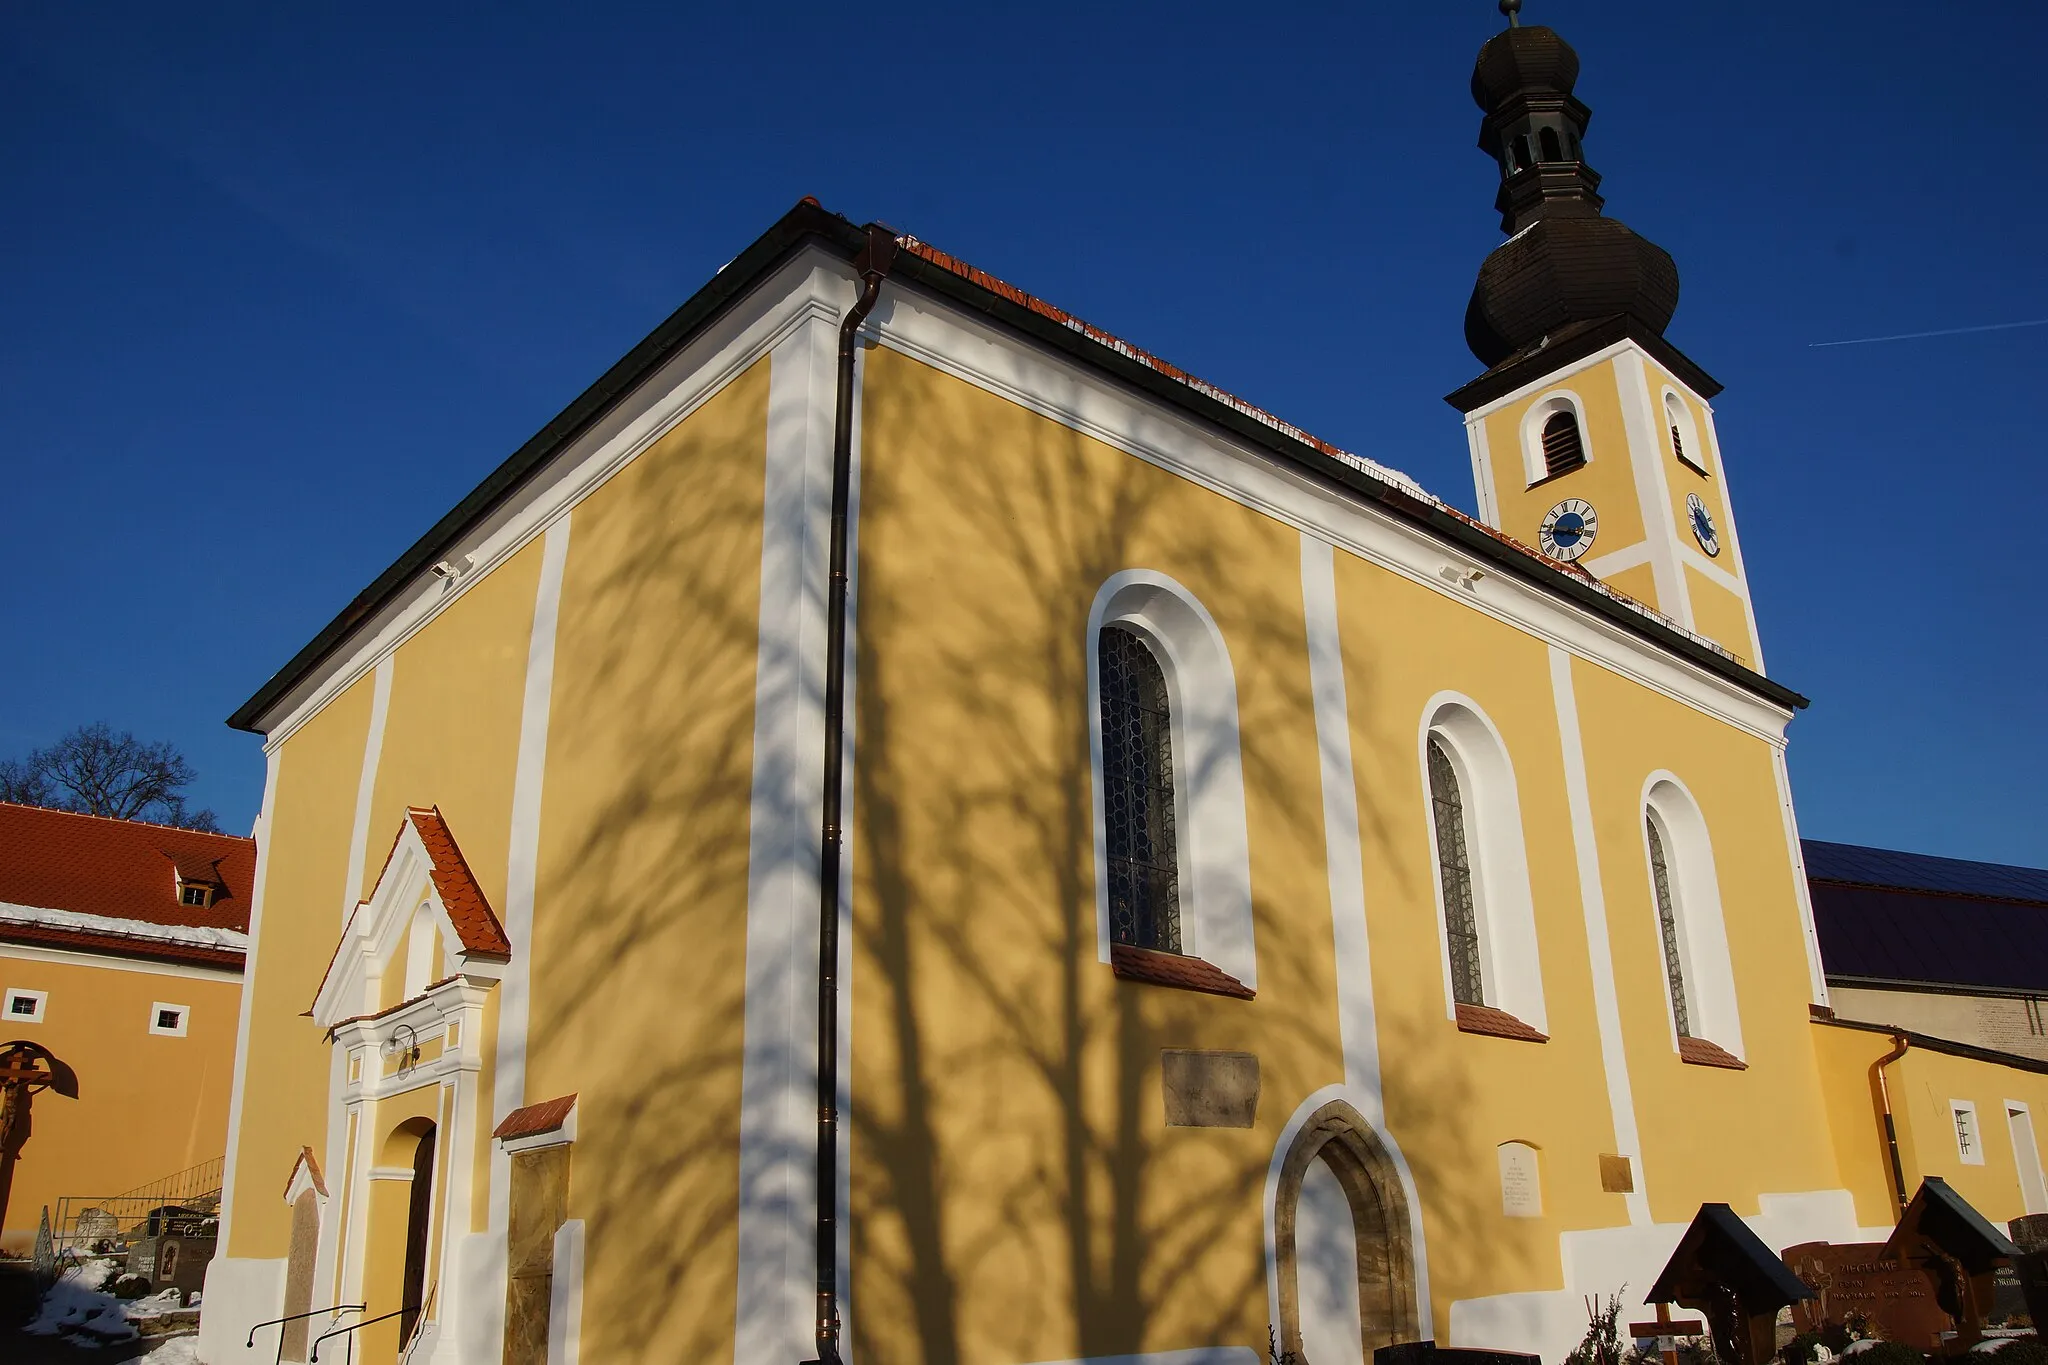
(1237, 889)
(121, 951)
(1941, 946)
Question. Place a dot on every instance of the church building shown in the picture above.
(901, 827)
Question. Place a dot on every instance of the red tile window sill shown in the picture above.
(1700, 1052)
(1493, 1023)
(1172, 969)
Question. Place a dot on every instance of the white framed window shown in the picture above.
(1684, 433)
(2019, 1119)
(1212, 859)
(1486, 918)
(22, 1006)
(169, 1021)
(1969, 1137)
(195, 893)
(1692, 935)
(1554, 437)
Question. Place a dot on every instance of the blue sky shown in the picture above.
(283, 282)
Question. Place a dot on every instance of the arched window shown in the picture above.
(1137, 792)
(1553, 150)
(1522, 152)
(1685, 442)
(1667, 922)
(1563, 448)
(1493, 979)
(1692, 935)
(1454, 874)
(1172, 858)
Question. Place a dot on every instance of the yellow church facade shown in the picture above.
(1266, 897)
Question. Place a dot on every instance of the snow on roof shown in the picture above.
(187, 935)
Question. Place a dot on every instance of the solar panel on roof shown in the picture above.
(1921, 872)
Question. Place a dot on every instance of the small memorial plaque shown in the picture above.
(1521, 1182)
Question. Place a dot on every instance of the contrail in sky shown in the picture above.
(1944, 332)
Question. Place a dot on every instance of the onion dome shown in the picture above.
(1564, 263)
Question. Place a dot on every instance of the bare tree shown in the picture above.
(94, 771)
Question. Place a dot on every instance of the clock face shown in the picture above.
(1568, 529)
(1702, 523)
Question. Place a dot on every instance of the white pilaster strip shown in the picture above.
(366, 785)
(778, 1104)
(273, 760)
(1733, 538)
(1802, 894)
(1653, 492)
(1606, 1004)
(1357, 1022)
(508, 1088)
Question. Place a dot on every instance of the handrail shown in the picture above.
(367, 1322)
(250, 1344)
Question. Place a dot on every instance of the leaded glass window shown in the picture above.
(1137, 794)
(1667, 922)
(1454, 870)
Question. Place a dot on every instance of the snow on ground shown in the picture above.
(77, 1310)
(174, 1351)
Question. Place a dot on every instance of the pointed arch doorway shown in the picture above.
(1341, 1233)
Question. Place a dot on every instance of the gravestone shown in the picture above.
(2030, 1235)
(1958, 1251)
(1724, 1272)
(1429, 1353)
(1857, 1280)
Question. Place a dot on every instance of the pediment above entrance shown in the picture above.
(426, 921)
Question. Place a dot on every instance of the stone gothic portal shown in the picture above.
(1341, 1233)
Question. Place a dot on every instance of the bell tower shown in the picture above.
(1592, 436)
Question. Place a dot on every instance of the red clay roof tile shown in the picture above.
(1173, 969)
(468, 911)
(544, 1117)
(122, 869)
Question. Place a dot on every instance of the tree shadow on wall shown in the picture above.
(1015, 1193)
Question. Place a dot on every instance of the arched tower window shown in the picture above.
(1522, 156)
(1553, 150)
(1667, 922)
(1138, 794)
(1685, 442)
(1564, 449)
(1454, 872)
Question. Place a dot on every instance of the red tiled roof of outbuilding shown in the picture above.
(122, 869)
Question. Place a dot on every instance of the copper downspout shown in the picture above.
(1900, 1044)
(872, 265)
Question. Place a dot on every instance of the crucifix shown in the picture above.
(25, 1068)
(1666, 1330)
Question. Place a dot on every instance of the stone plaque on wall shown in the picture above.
(1210, 1089)
(1521, 1183)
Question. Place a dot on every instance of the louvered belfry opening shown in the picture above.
(1137, 795)
(1563, 448)
(1677, 442)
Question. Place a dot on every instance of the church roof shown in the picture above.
(920, 265)
(1908, 919)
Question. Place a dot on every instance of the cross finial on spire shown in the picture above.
(1513, 10)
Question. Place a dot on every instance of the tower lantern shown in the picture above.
(1591, 434)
